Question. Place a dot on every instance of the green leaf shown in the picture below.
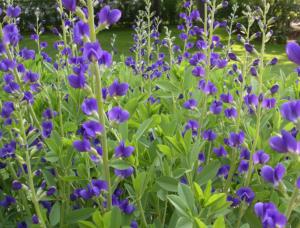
(165, 150)
(97, 218)
(154, 120)
(54, 216)
(186, 194)
(184, 223)
(208, 172)
(199, 223)
(80, 214)
(140, 183)
(168, 183)
(214, 198)
(198, 191)
(119, 164)
(167, 86)
(219, 223)
(86, 224)
(116, 217)
(180, 205)
(207, 192)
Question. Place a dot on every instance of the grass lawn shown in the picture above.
(124, 42)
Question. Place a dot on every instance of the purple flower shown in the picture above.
(109, 17)
(246, 194)
(234, 201)
(124, 173)
(232, 56)
(298, 183)
(274, 61)
(13, 12)
(293, 52)
(123, 151)
(220, 152)
(271, 175)
(92, 51)
(81, 30)
(105, 58)
(253, 71)
(269, 103)
(133, 224)
(274, 89)
(226, 98)
(284, 143)
(118, 89)
(193, 125)
(216, 107)
(51, 191)
(209, 135)
(118, 115)
(251, 100)
(47, 129)
(92, 128)
(260, 157)
(291, 110)
(7, 109)
(89, 106)
(243, 166)
(69, 5)
(126, 207)
(16, 185)
(49, 114)
(190, 104)
(82, 145)
(230, 113)
(98, 186)
(22, 225)
(30, 77)
(249, 47)
(198, 71)
(7, 201)
(269, 215)
(6, 65)
(236, 139)
(11, 34)
(77, 81)
(201, 157)
(223, 171)
(196, 59)
(27, 54)
(208, 88)
(35, 219)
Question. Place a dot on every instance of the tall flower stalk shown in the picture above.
(101, 112)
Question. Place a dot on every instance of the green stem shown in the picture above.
(291, 204)
(101, 113)
(142, 212)
(231, 171)
(30, 175)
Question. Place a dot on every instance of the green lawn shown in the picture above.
(124, 42)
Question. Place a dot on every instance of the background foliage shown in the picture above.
(284, 10)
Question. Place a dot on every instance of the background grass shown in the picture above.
(124, 41)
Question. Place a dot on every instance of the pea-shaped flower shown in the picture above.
(109, 16)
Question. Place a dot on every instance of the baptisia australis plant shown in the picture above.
(173, 136)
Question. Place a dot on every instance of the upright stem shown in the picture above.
(30, 175)
(62, 22)
(259, 108)
(144, 222)
(231, 171)
(101, 113)
(291, 204)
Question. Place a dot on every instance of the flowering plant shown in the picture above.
(190, 135)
